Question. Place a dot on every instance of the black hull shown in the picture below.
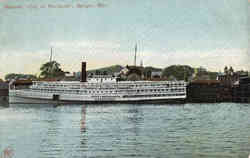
(60, 102)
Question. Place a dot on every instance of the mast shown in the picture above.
(50, 59)
(135, 54)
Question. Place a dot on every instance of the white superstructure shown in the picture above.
(100, 89)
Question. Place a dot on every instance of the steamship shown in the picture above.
(99, 89)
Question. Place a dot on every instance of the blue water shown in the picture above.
(175, 131)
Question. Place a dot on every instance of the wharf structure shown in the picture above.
(234, 87)
(204, 91)
(227, 80)
(228, 87)
(4, 91)
(241, 91)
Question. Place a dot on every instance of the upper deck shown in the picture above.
(107, 85)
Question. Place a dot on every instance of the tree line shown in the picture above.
(53, 69)
(50, 69)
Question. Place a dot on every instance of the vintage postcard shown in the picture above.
(124, 78)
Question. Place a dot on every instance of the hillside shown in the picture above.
(118, 68)
(150, 68)
(108, 70)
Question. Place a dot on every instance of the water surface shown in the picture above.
(175, 131)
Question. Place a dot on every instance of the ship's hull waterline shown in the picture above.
(22, 100)
(15, 99)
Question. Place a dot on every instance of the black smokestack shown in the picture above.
(84, 72)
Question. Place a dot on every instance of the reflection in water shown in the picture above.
(50, 145)
(135, 117)
(83, 119)
(83, 133)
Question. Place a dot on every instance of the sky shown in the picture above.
(211, 34)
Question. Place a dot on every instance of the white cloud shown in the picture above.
(21, 62)
(102, 53)
(213, 60)
(84, 44)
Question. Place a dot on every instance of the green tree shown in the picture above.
(51, 69)
(11, 76)
(180, 72)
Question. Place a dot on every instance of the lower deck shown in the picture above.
(19, 96)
